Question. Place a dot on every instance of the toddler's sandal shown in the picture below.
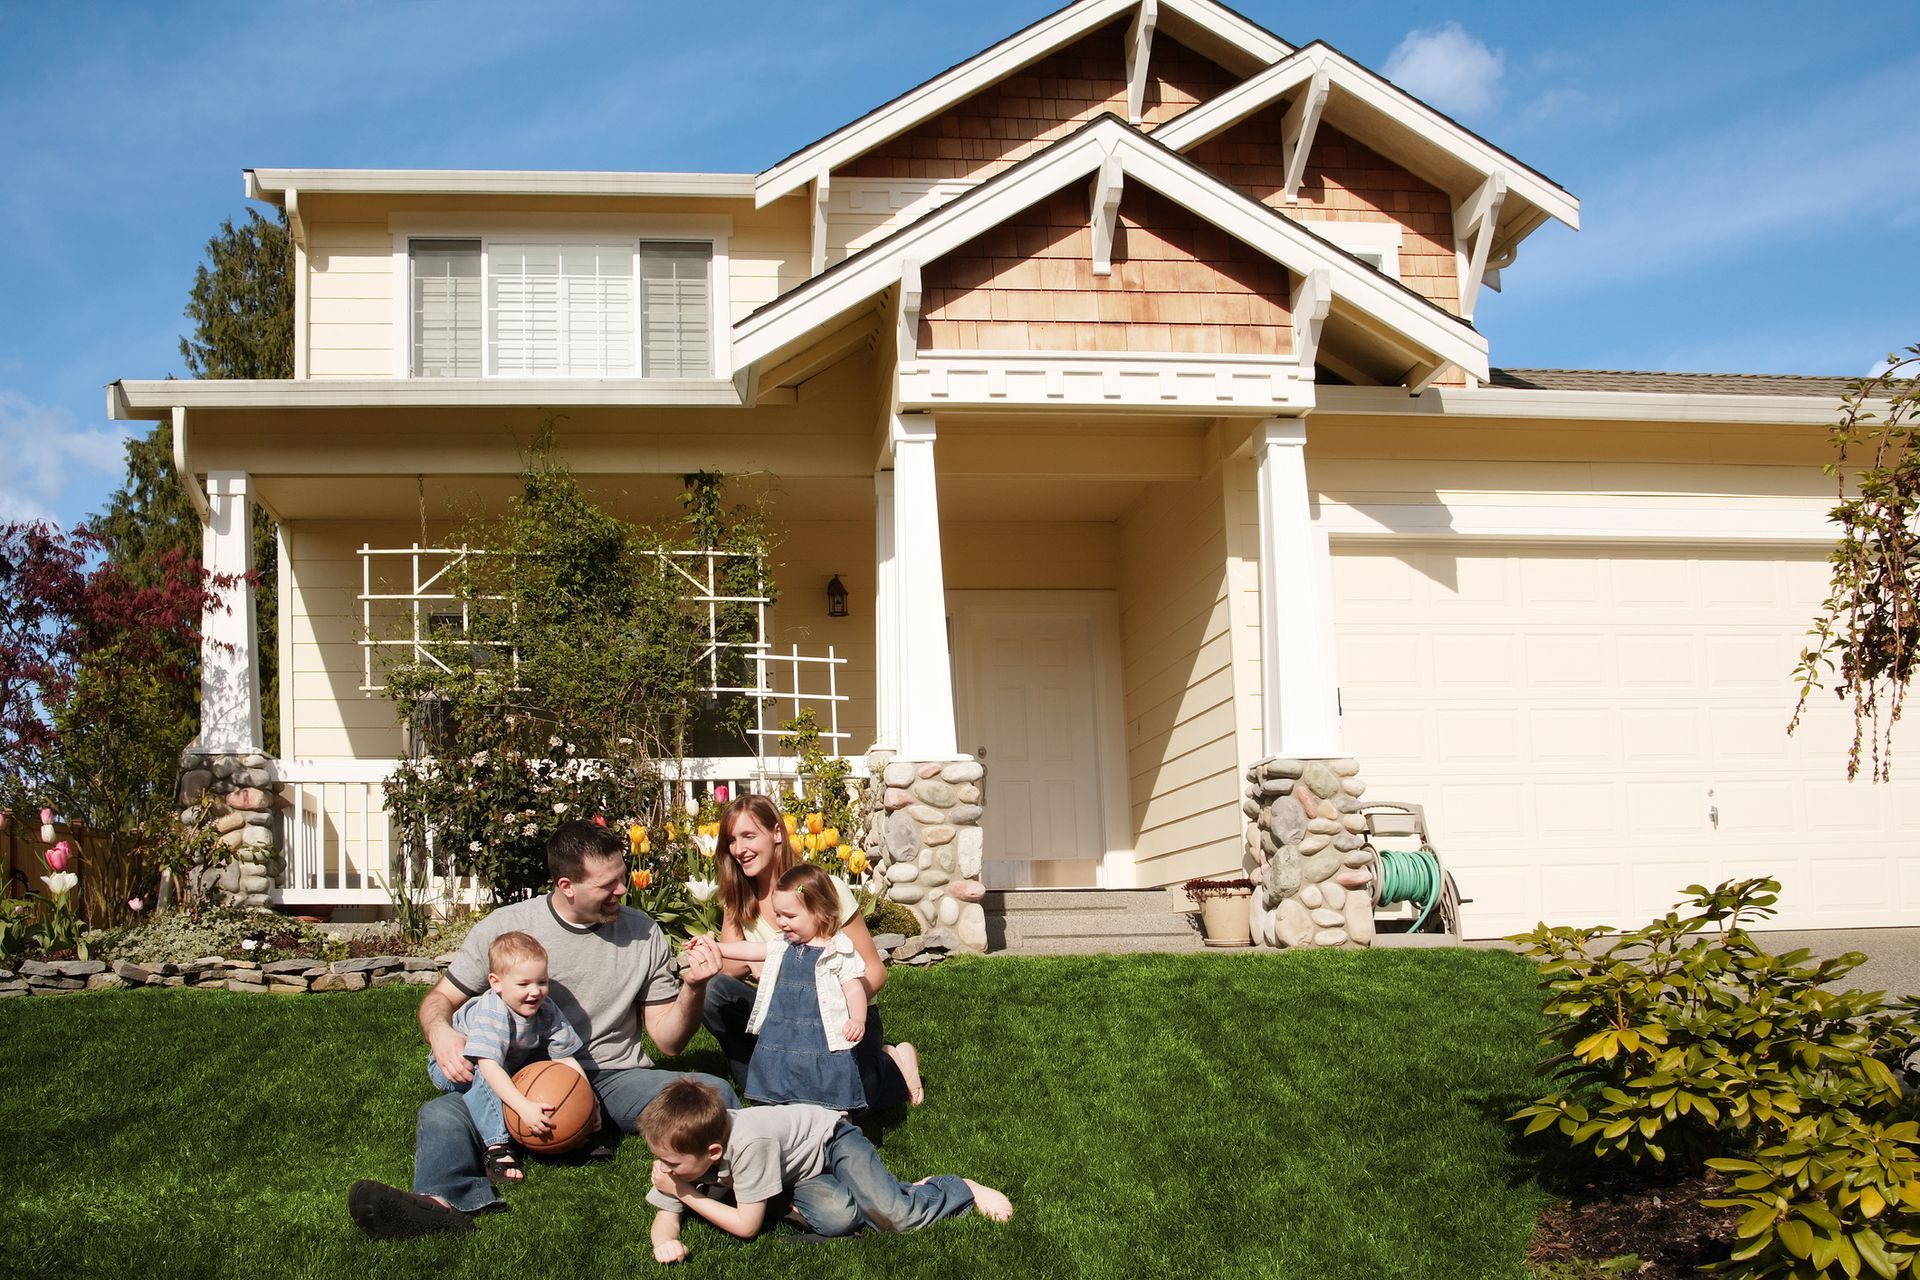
(503, 1165)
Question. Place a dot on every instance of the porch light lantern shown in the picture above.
(836, 597)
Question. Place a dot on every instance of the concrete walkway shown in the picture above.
(1893, 955)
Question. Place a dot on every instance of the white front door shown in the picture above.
(1029, 678)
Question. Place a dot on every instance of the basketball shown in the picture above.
(557, 1085)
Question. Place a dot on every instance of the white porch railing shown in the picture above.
(341, 848)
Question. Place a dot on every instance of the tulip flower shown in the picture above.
(59, 856)
(707, 844)
(720, 794)
(637, 838)
(641, 878)
(599, 821)
(858, 862)
(60, 883)
(701, 890)
(816, 823)
(135, 904)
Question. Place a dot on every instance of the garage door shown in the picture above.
(1591, 731)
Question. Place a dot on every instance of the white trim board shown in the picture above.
(272, 184)
(1381, 96)
(1423, 328)
(992, 65)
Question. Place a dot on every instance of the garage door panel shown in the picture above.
(1564, 716)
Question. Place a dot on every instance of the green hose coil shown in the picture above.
(1409, 875)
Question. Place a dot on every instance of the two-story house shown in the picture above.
(1125, 375)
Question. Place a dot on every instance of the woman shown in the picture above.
(752, 855)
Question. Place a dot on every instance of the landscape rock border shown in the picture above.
(299, 977)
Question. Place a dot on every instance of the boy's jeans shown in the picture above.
(483, 1104)
(855, 1190)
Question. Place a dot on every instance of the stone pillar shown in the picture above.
(237, 794)
(1299, 684)
(924, 687)
(923, 833)
(1307, 854)
(226, 777)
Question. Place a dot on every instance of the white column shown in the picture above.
(886, 616)
(1299, 683)
(926, 667)
(229, 659)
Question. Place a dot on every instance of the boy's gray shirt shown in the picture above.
(600, 974)
(768, 1150)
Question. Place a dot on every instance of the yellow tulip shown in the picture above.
(831, 835)
(845, 853)
(816, 823)
(858, 863)
(637, 838)
(641, 879)
(793, 824)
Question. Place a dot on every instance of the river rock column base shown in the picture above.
(923, 833)
(236, 794)
(1307, 854)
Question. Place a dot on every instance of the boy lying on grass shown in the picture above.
(727, 1165)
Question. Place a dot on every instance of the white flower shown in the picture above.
(473, 846)
(553, 742)
(60, 883)
(701, 890)
(249, 944)
(529, 830)
(708, 845)
(570, 748)
(693, 807)
(479, 757)
(560, 808)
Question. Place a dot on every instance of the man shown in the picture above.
(611, 969)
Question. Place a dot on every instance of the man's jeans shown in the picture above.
(483, 1104)
(449, 1158)
(855, 1190)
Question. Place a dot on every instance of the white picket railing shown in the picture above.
(341, 849)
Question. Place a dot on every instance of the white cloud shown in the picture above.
(1449, 70)
(46, 450)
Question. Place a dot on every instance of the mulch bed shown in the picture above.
(1663, 1225)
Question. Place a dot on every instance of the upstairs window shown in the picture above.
(529, 308)
(446, 308)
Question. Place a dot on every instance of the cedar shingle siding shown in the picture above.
(1003, 125)
(1179, 284)
(1344, 182)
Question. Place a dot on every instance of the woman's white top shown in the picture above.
(840, 965)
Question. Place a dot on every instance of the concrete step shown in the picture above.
(1087, 922)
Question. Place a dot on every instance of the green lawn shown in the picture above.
(1316, 1115)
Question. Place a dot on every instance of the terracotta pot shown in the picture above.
(1226, 918)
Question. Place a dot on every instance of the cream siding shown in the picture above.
(1179, 683)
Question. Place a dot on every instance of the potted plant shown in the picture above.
(1224, 910)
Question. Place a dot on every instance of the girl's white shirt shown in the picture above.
(840, 965)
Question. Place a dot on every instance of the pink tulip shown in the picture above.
(46, 817)
(599, 821)
(59, 856)
(134, 905)
(720, 794)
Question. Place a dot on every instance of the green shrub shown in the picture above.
(1837, 1192)
(885, 916)
(1686, 1038)
(175, 937)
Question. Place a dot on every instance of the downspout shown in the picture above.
(196, 496)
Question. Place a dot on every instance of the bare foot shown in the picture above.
(991, 1204)
(907, 1058)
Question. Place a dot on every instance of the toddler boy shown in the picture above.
(837, 1182)
(511, 1025)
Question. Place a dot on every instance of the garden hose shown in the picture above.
(1409, 875)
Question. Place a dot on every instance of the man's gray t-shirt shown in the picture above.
(600, 974)
(768, 1150)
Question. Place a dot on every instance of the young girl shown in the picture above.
(811, 1008)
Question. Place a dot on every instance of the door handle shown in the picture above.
(979, 753)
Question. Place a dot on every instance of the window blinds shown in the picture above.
(675, 330)
(561, 310)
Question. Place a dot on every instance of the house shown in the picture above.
(1125, 375)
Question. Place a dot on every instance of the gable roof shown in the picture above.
(1383, 305)
(1451, 143)
(1026, 46)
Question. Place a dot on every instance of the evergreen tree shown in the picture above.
(241, 307)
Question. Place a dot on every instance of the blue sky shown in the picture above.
(1750, 200)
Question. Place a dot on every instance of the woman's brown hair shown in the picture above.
(737, 903)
